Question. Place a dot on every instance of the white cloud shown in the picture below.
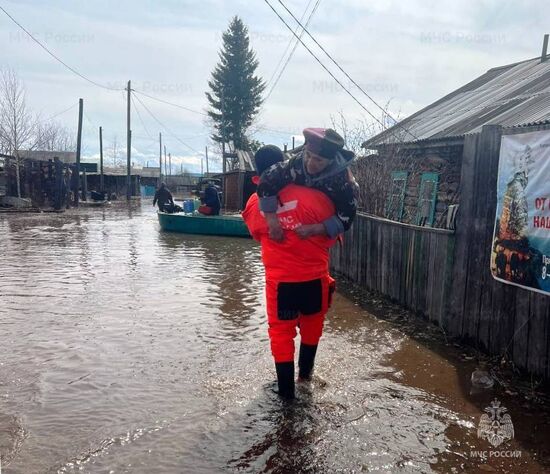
(410, 52)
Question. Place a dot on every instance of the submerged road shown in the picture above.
(126, 349)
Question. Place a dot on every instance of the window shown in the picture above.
(396, 198)
(427, 199)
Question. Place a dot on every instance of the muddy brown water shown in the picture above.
(126, 349)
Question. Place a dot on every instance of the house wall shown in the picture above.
(374, 175)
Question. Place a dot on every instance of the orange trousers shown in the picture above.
(294, 305)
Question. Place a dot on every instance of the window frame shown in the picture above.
(428, 177)
(397, 176)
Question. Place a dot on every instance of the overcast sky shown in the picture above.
(408, 52)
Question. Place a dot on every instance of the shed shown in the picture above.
(237, 184)
(114, 179)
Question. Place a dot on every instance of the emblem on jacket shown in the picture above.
(495, 425)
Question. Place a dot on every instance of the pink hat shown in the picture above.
(324, 142)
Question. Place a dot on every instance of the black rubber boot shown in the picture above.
(306, 361)
(285, 379)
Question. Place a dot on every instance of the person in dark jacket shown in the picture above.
(212, 203)
(163, 197)
(322, 164)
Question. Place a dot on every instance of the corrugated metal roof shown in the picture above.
(512, 95)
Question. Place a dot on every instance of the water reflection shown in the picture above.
(234, 284)
(127, 349)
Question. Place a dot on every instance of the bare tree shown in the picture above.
(52, 136)
(114, 152)
(17, 123)
(372, 171)
(354, 134)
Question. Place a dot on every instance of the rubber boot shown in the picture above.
(306, 361)
(285, 379)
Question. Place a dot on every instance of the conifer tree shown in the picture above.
(235, 94)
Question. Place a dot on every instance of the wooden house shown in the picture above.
(447, 155)
(418, 162)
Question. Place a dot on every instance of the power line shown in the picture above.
(280, 132)
(140, 119)
(292, 39)
(54, 56)
(74, 71)
(59, 113)
(173, 104)
(340, 68)
(88, 119)
(166, 128)
(293, 49)
(170, 103)
(324, 67)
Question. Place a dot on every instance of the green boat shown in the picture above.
(226, 225)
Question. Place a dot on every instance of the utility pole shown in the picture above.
(101, 181)
(170, 163)
(128, 147)
(293, 142)
(165, 161)
(206, 153)
(160, 157)
(224, 163)
(78, 149)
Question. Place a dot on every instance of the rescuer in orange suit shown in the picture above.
(298, 285)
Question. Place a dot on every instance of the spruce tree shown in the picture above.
(235, 91)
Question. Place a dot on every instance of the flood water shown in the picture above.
(126, 349)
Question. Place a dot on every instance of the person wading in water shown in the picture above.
(299, 287)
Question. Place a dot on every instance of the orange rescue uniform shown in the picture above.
(298, 284)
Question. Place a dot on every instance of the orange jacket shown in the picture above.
(294, 259)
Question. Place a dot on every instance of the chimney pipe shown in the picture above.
(543, 57)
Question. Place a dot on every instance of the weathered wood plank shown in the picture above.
(538, 338)
(461, 264)
(519, 344)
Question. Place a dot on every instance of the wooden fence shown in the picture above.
(502, 319)
(410, 264)
(447, 276)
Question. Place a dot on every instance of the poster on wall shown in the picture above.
(521, 241)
